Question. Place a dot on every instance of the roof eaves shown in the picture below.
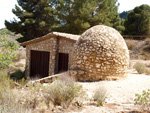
(55, 34)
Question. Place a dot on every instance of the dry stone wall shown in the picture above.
(100, 52)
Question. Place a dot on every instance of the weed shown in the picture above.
(143, 100)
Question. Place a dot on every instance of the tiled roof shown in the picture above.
(53, 34)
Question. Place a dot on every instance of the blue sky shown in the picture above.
(7, 5)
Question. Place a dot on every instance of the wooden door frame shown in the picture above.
(58, 71)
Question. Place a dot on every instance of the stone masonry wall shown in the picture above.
(66, 46)
(53, 45)
(49, 45)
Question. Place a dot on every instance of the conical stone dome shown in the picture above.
(100, 52)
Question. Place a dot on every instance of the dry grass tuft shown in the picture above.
(100, 96)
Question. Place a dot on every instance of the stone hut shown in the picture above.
(100, 52)
(50, 54)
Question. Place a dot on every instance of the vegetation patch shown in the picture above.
(8, 100)
(62, 92)
(143, 100)
(17, 75)
(140, 67)
(130, 44)
(147, 72)
(100, 96)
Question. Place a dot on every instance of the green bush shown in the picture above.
(61, 92)
(140, 67)
(100, 96)
(143, 100)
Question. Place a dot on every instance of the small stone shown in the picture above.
(53, 57)
(80, 72)
(73, 73)
(85, 58)
(79, 62)
(98, 65)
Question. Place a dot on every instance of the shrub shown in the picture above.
(7, 52)
(100, 96)
(130, 44)
(145, 52)
(19, 65)
(140, 67)
(33, 96)
(8, 101)
(6, 85)
(147, 41)
(147, 71)
(11, 68)
(143, 100)
(61, 92)
(11, 43)
(19, 55)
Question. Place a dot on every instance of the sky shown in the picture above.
(6, 7)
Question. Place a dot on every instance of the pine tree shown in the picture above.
(76, 16)
(118, 24)
(124, 14)
(138, 21)
(35, 18)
